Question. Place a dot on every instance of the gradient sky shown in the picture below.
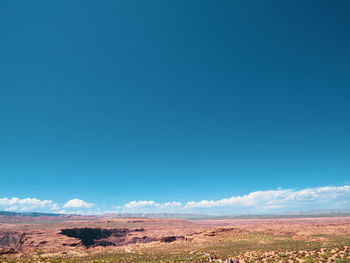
(115, 101)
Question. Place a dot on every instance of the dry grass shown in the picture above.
(259, 241)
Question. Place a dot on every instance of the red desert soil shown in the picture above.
(77, 237)
(299, 228)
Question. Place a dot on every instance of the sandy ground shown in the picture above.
(203, 238)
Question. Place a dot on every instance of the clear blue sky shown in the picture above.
(114, 101)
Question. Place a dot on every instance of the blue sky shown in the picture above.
(172, 102)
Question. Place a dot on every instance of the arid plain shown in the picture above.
(90, 239)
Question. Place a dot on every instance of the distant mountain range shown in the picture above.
(310, 213)
(160, 215)
(27, 214)
(294, 214)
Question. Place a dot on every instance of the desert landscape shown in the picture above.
(104, 239)
(174, 131)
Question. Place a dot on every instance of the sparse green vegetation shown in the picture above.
(247, 247)
(268, 242)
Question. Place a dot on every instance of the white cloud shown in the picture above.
(77, 203)
(269, 201)
(11, 208)
(134, 204)
(328, 197)
(149, 207)
(280, 198)
(26, 204)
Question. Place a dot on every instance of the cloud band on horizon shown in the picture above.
(259, 202)
(328, 197)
